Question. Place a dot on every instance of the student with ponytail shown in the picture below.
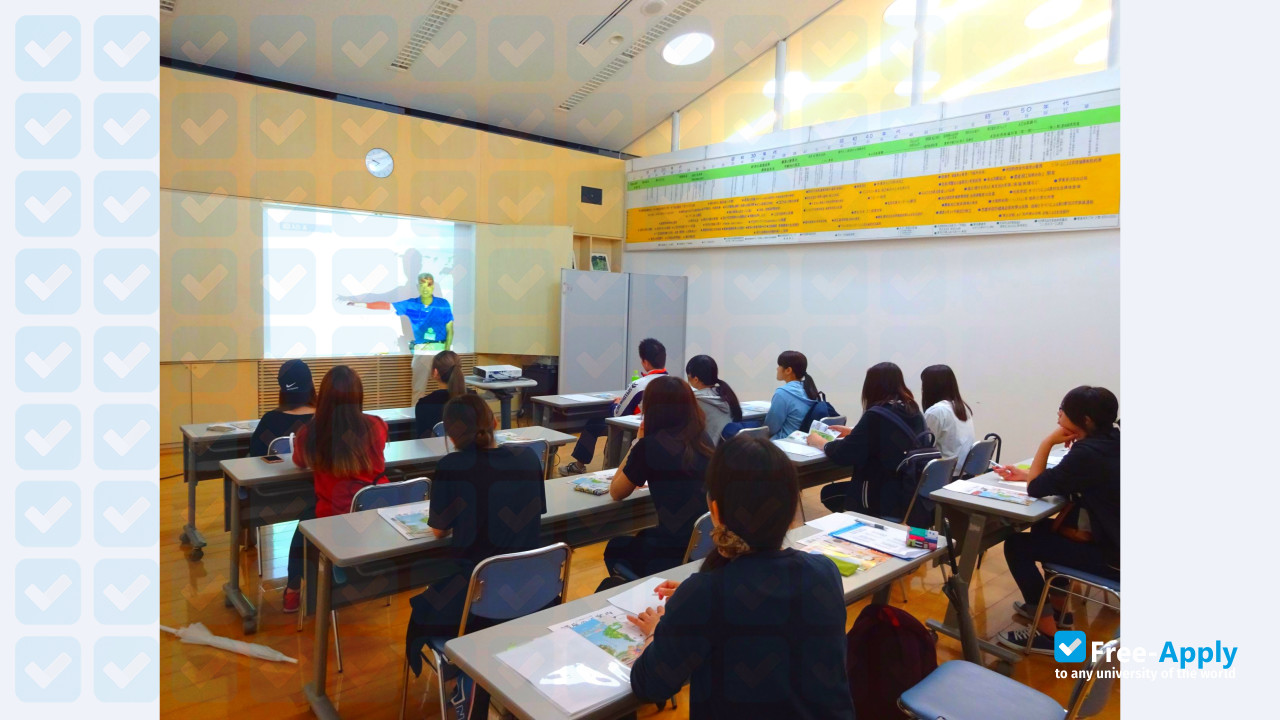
(491, 498)
(792, 402)
(1086, 535)
(343, 446)
(717, 399)
(446, 369)
(752, 598)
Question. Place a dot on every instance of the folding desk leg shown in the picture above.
(233, 596)
(315, 690)
(190, 535)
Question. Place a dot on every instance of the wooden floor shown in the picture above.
(201, 682)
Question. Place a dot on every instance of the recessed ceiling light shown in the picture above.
(1051, 13)
(688, 49)
(1092, 53)
(653, 7)
(616, 39)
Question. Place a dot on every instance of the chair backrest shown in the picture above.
(978, 461)
(505, 587)
(282, 445)
(1091, 692)
(763, 431)
(438, 429)
(999, 442)
(388, 494)
(937, 472)
(700, 544)
(836, 420)
(539, 448)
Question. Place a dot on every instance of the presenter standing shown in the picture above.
(431, 318)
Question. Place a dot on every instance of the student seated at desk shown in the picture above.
(947, 415)
(670, 455)
(1086, 535)
(491, 498)
(717, 399)
(874, 447)
(792, 402)
(429, 409)
(343, 446)
(758, 631)
(295, 407)
(653, 359)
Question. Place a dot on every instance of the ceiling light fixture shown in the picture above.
(688, 49)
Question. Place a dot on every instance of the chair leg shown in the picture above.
(902, 583)
(1035, 617)
(404, 689)
(337, 643)
(439, 669)
(258, 532)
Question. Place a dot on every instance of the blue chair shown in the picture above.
(369, 498)
(936, 474)
(503, 587)
(978, 461)
(733, 428)
(961, 690)
(1054, 571)
(761, 430)
(700, 544)
(438, 430)
(539, 448)
(282, 445)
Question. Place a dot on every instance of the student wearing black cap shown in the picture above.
(297, 405)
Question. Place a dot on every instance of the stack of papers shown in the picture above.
(789, 445)
(883, 538)
(571, 672)
(409, 520)
(596, 483)
(587, 398)
(245, 424)
(994, 492)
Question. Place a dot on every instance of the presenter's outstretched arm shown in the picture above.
(371, 305)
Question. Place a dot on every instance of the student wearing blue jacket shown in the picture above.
(791, 402)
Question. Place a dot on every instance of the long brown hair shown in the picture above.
(669, 406)
(468, 421)
(938, 383)
(884, 384)
(338, 443)
(756, 491)
(446, 364)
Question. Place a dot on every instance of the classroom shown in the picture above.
(488, 328)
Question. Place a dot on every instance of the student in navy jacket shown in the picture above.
(874, 447)
(1089, 475)
(758, 632)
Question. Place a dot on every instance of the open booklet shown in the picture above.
(994, 492)
(570, 671)
(596, 483)
(409, 520)
(849, 557)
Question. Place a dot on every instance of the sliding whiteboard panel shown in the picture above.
(658, 309)
(593, 331)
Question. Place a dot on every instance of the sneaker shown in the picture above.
(1066, 621)
(292, 600)
(1017, 639)
(573, 468)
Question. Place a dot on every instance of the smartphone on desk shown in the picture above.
(272, 458)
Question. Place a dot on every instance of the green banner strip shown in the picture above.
(1082, 118)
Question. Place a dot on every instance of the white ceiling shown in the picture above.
(506, 63)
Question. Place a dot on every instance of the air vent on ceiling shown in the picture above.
(167, 5)
(440, 13)
(651, 36)
(607, 19)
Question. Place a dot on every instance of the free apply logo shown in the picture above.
(1071, 646)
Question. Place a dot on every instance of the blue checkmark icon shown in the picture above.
(1069, 646)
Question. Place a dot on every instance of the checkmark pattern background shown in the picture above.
(84, 183)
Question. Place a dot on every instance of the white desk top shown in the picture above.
(251, 471)
(200, 432)
(1038, 510)
(572, 400)
(632, 422)
(476, 652)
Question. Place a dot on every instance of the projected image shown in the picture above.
(339, 283)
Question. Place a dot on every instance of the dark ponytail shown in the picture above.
(446, 364)
(799, 365)
(704, 368)
(756, 490)
(1094, 403)
(468, 421)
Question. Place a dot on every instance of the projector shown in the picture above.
(497, 372)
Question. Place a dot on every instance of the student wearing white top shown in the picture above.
(947, 415)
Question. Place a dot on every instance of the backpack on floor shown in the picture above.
(889, 653)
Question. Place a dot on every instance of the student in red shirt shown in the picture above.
(343, 447)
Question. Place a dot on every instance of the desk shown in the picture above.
(280, 492)
(988, 523)
(476, 653)
(576, 410)
(622, 430)
(203, 450)
(504, 390)
(365, 544)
